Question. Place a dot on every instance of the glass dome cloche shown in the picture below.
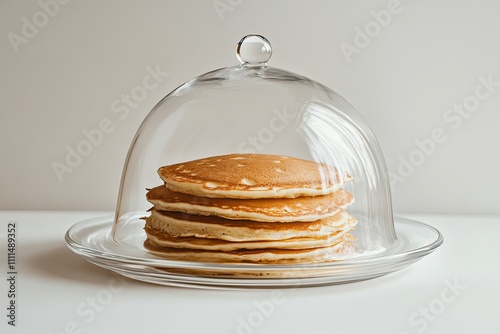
(251, 175)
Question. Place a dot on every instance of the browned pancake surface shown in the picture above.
(305, 208)
(185, 225)
(166, 240)
(277, 256)
(251, 176)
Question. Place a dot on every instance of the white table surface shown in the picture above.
(456, 289)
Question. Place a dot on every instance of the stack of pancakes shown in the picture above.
(250, 208)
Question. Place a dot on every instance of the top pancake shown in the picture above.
(252, 176)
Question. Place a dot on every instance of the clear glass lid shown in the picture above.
(241, 119)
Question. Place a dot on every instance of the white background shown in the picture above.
(64, 77)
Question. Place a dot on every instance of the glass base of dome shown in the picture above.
(93, 240)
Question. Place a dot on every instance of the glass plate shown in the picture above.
(92, 239)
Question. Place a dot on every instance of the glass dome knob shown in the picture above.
(254, 51)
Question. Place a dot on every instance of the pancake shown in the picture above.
(336, 252)
(266, 209)
(250, 208)
(252, 176)
(184, 225)
(165, 240)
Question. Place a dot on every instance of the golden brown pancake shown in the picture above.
(270, 256)
(250, 208)
(165, 240)
(184, 225)
(306, 208)
(252, 176)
